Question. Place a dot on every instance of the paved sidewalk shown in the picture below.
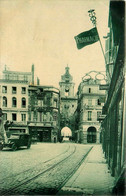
(92, 178)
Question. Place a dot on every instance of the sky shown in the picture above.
(41, 32)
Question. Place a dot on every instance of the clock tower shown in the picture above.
(68, 99)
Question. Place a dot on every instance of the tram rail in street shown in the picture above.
(40, 173)
(30, 169)
(50, 169)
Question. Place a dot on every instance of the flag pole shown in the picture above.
(93, 19)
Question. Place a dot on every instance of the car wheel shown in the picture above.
(14, 147)
(29, 145)
(1, 147)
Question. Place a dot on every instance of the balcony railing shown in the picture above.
(42, 124)
(18, 124)
(42, 108)
(89, 107)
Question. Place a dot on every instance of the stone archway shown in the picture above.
(91, 135)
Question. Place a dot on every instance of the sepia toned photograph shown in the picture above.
(62, 97)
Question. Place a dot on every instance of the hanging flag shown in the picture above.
(87, 38)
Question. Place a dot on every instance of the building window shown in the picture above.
(120, 115)
(14, 116)
(35, 117)
(98, 114)
(25, 78)
(14, 90)
(66, 106)
(6, 76)
(29, 116)
(89, 115)
(48, 101)
(23, 90)
(55, 103)
(4, 102)
(4, 116)
(14, 77)
(48, 116)
(23, 117)
(99, 103)
(44, 116)
(14, 102)
(40, 103)
(23, 102)
(55, 116)
(4, 89)
(40, 116)
(89, 90)
(89, 101)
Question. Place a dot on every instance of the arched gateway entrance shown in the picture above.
(66, 132)
(91, 135)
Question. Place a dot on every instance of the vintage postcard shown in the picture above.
(62, 97)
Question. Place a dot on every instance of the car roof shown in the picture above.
(20, 134)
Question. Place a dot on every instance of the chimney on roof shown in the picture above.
(38, 81)
(33, 69)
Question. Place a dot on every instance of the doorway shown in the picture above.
(91, 135)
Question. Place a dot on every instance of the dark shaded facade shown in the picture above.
(114, 110)
(43, 113)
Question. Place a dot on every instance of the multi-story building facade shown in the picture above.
(114, 124)
(90, 102)
(43, 121)
(14, 99)
(68, 101)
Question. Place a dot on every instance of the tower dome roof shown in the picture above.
(67, 76)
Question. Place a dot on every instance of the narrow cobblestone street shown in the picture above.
(43, 169)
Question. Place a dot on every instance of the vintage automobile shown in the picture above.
(16, 141)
